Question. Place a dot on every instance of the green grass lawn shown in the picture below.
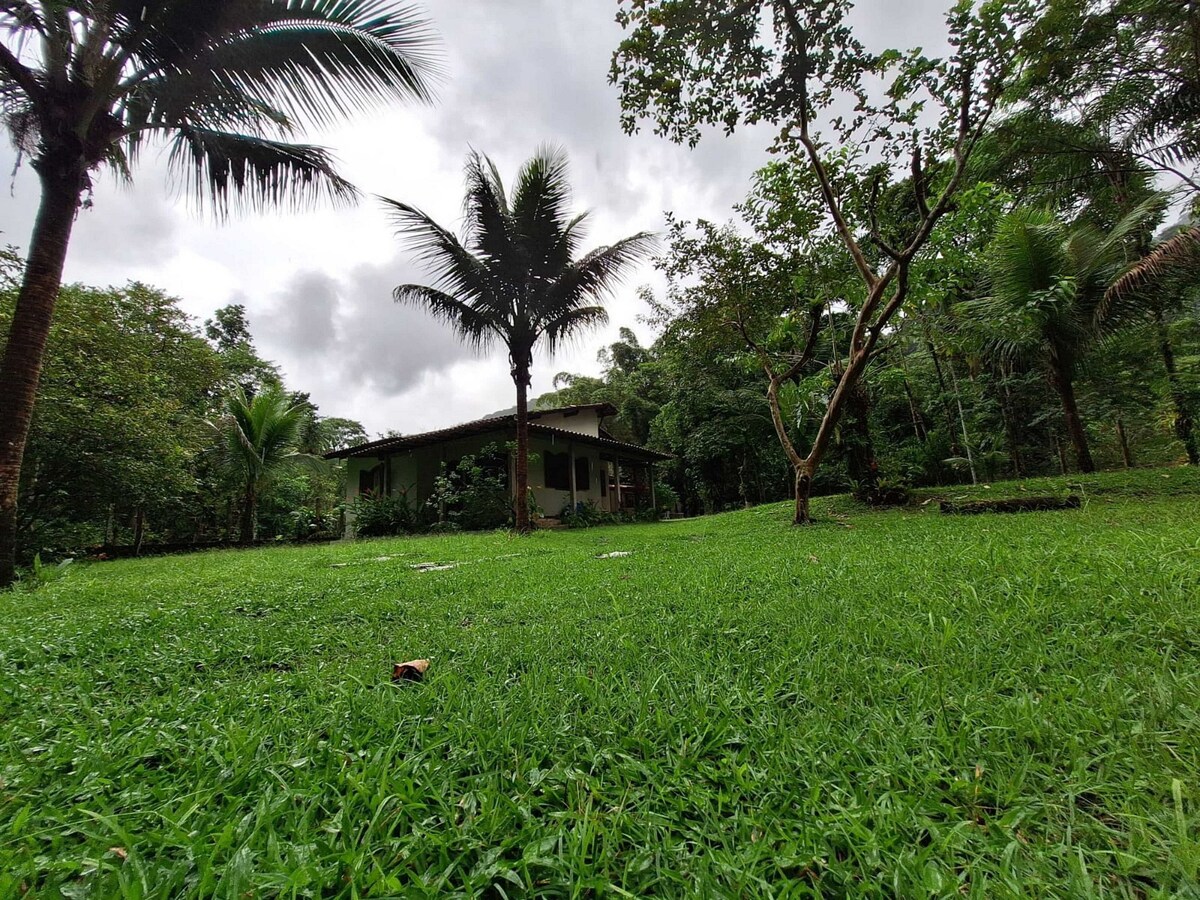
(889, 703)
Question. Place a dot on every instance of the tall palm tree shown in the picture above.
(516, 277)
(1048, 282)
(259, 439)
(86, 84)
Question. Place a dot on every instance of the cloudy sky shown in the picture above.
(317, 286)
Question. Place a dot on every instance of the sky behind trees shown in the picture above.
(317, 285)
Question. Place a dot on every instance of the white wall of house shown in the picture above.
(413, 471)
(552, 499)
(585, 421)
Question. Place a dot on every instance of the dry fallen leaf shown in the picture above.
(413, 670)
(119, 851)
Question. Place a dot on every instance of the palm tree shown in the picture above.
(516, 277)
(1154, 284)
(259, 438)
(86, 84)
(1048, 284)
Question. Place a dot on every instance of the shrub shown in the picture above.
(383, 516)
(473, 494)
(665, 497)
(584, 514)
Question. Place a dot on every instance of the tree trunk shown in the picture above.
(861, 464)
(249, 515)
(806, 469)
(804, 480)
(139, 530)
(1123, 440)
(1185, 423)
(1061, 381)
(1012, 429)
(943, 393)
(25, 348)
(962, 421)
(521, 464)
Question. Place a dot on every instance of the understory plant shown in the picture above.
(378, 515)
(473, 494)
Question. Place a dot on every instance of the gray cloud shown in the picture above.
(344, 332)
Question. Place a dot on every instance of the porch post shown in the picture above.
(650, 478)
(617, 470)
(574, 492)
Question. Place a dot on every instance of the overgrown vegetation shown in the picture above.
(889, 703)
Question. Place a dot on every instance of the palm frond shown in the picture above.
(318, 68)
(487, 221)
(1026, 255)
(220, 169)
(455, 269)
(260, 434)
(19, 15)
(1177, 253)
(572, 323)
(597, 274)
(540, 201)
(475, 328)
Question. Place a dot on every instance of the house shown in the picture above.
(573, 460)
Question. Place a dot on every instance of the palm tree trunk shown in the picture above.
(249, 515)
(21, 367)
(1185, 423)
(1062, 383)
(521, 464)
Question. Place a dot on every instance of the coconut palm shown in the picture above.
(516, 277)
(1155, 285)
(1048, 282)
(259, 439)
(86, 84)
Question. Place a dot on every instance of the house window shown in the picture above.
(583, 473)
(558, 471)
(368, 481)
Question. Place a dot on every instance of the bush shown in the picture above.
(665, 497)
(384, 516)
(307, 525)
(584, 514)
(473, 495)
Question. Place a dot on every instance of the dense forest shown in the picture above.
(990, 273)
(141, 415)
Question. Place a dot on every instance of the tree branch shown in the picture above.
(810, 345)
(920, 188)
(831, 202)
